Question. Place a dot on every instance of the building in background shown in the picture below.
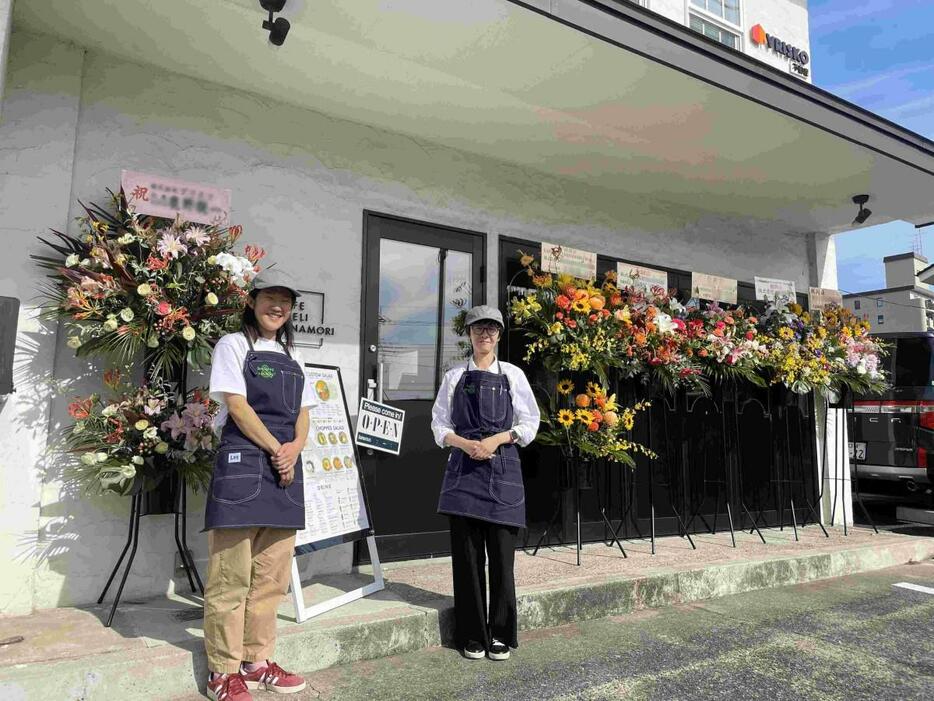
(772, 31)
(906, 303)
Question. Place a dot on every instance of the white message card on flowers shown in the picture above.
(641, 276)
(570, 261)
(770, 289)
(822, 297)
(158, 196)
(713, 287)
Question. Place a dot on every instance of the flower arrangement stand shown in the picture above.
(179, 506)
(722, 479)
(790, 473)
(627, 492)
(575, 468)
(668, 483)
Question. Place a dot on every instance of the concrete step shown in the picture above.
(155, 648)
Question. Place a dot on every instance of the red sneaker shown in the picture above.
(229, 687)
(273, 678)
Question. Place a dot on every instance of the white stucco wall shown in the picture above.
(300, 180)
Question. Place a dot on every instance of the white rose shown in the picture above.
(153, 341)
(128, 471)
(109, 410)
(72, 260)
(211, 299)
(73, 342)
(137, 460)
(143, 290)
(88, 459)
(110, 325)
(188, 333)
(127, 314)
(150, 433)
(101, 457)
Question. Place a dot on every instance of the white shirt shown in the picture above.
(227, 371)
(525, 413)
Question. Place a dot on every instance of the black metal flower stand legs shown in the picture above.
(576, 476)
(739, 470)
(174, 489)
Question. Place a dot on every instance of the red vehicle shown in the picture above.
(892, 441)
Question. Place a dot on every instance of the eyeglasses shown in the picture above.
(490, 331)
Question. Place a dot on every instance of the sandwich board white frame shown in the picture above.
(303, 613)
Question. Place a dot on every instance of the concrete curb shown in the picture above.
(173, 671)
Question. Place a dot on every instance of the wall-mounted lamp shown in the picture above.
(279, 28)
(863, 214)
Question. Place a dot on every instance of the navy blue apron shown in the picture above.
(489, 490)
(245, 489)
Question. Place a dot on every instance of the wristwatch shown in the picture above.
(514, 435)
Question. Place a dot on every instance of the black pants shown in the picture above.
(471, 540)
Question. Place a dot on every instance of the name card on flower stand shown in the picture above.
(159, 196)
(769, 289)
(713, 287)
(641, 276)
(570, 261)
(822, 297)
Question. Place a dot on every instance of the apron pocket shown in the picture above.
(292, 387)
(494, 401)
(506, 485)
(452, 473)
(295, 492)
(238, 475)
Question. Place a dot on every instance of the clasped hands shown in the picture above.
(481, 450)
(284, 460)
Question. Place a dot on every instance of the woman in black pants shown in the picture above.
(484, 408)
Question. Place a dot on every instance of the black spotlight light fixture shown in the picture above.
(278, 28)
(863, 214)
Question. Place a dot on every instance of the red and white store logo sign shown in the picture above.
(760, 37)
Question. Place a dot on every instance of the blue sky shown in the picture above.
(878, 54)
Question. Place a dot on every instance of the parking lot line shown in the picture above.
(914, 587)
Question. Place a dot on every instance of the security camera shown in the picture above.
(279, 28)
(863, 214)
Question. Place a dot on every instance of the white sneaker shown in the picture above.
(498, 650)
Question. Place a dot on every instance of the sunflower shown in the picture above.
(584, 416)
(565, 386)
(595, 390)
(566, 418)
(581, 305)
(785, 333)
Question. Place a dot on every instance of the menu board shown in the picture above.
(335, 506)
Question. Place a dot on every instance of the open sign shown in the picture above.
(379, 426)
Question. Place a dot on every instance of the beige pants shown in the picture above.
(248, 573)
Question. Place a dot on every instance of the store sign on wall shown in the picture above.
(768, 288)
(156, 196)
(570, 261)
(799, 58)
(308, 320)
(822, 297)
(713, 287)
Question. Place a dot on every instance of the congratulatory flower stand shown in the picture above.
(151, 296)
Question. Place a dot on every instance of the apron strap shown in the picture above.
(249, 341)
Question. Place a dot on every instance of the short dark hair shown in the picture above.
(249, 325)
